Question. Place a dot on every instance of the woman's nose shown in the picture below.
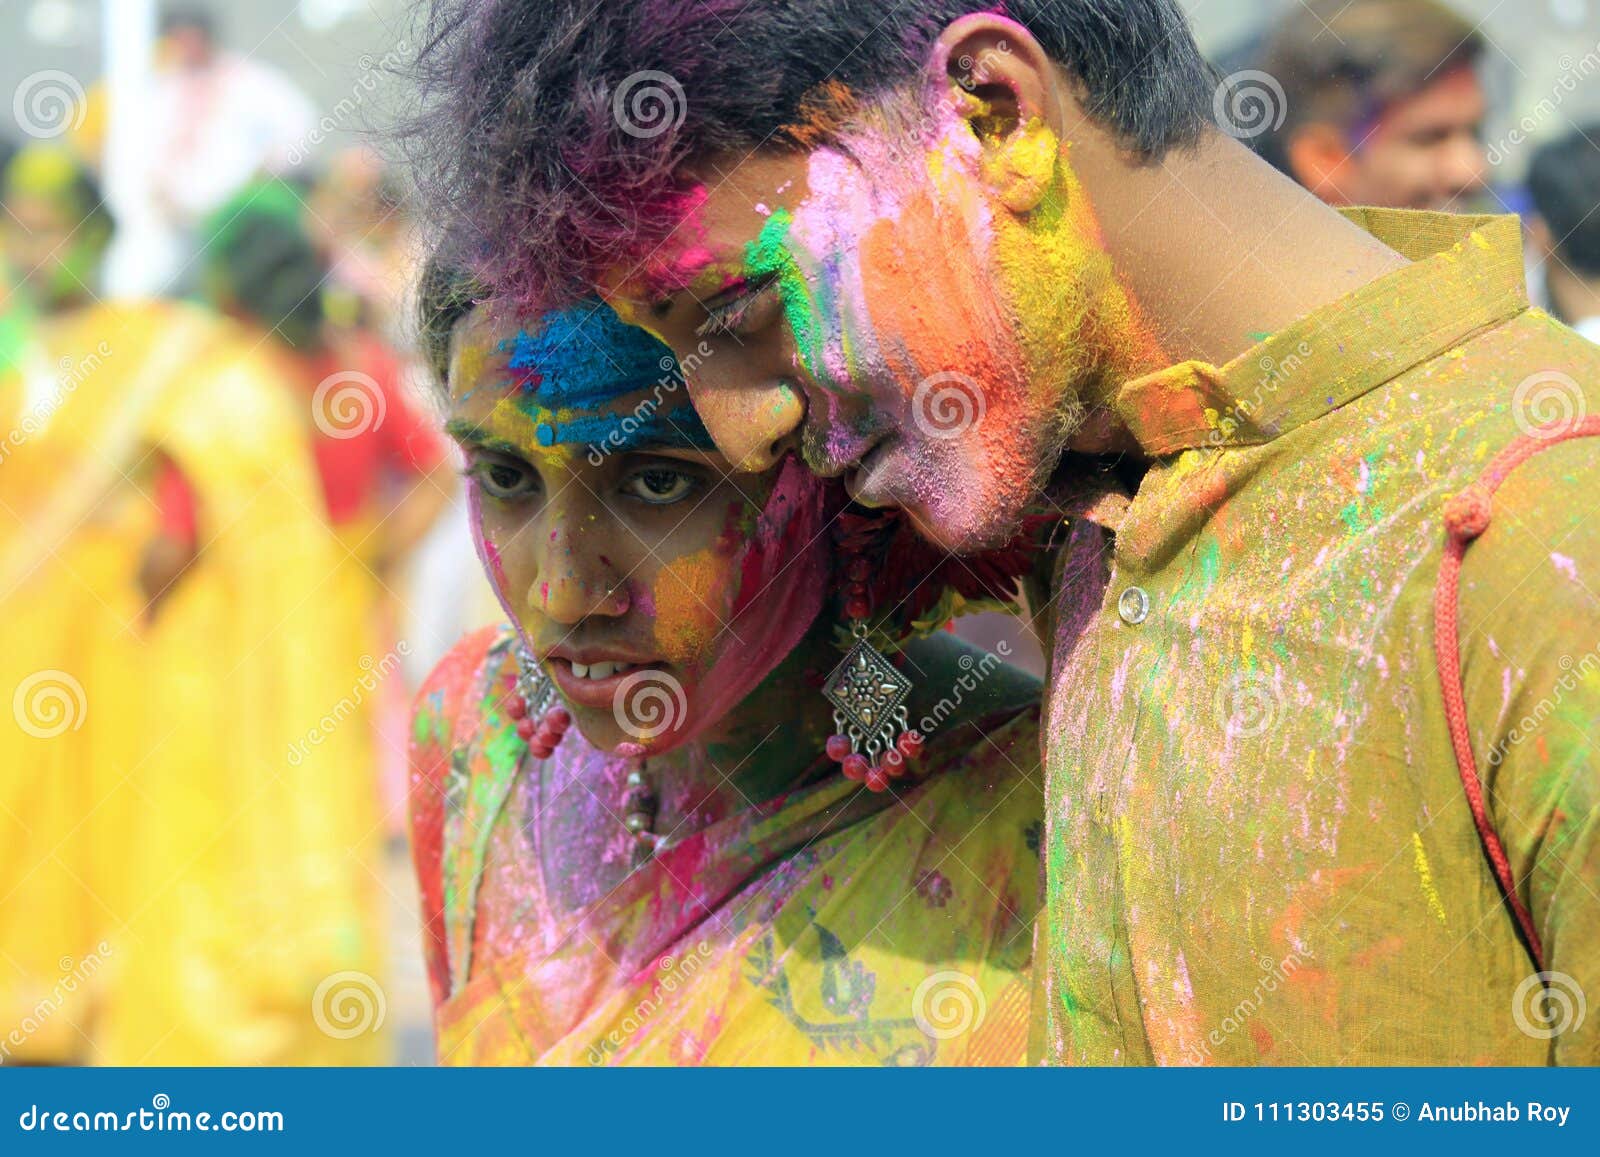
(575, 579)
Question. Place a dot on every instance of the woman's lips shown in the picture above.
(578, 683)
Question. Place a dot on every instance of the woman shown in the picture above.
(384, 470)
(695, 871)
(215, 896)
(175, 883)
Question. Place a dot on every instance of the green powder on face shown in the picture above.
(769, 255)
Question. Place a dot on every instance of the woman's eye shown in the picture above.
(661, 486)
(504, 479)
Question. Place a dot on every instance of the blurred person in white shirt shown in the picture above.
(218, 120)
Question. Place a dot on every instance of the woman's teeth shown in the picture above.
(600, 670)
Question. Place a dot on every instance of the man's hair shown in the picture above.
(176, 16)
(557, 130)
(1342, 62)
(1564, 182)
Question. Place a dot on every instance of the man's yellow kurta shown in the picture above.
(1259, 846)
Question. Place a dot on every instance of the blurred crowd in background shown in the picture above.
(230, 537)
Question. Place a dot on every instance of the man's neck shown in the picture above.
(1217, 248)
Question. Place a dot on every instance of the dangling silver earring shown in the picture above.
(535, 705)
(873, 740)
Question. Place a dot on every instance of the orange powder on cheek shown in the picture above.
(952, 320)
(956, 333)
(693, 595)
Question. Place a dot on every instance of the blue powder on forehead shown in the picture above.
(613, 433)
(585, 359)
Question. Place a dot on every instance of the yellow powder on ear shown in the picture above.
(1025, 167)
(690, 599)
(1060, 282)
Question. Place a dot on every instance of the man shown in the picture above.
(218, 120)
(1380, 103)
(1564, 182)
(978, 264)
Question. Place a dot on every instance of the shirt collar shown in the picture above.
(1466, 273)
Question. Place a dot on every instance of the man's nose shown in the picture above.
(1466, 164)
(754, 426)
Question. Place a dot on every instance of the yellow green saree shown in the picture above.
(829, 926)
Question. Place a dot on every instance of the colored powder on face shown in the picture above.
(586, 356)
(965, 283)
(613, 432)
(497, 570)
(533, 434)
(804, 300)
(489, 557)
(579, 363)
(1025, 168)
(692, 602)
(1076, 321)
(781, 559)
(469, 363)
(670, 268)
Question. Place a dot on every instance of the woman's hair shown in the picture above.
(260, 261)
(446, 293)
(46, 170)
(556, 130)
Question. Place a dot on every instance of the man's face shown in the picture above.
(186, 48)
(921, 314)
(1424, 152)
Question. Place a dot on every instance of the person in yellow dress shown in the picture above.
(182, 876)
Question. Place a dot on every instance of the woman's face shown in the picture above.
(623, 551)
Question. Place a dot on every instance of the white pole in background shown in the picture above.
(141, 254)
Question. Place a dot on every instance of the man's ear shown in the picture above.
(1319, 158)
(995, 76)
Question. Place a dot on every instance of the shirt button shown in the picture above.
(1134, 606)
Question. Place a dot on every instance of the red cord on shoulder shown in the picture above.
(1466, 516)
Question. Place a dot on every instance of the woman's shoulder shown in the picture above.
(445, 719)
(957, 684)
(451, 697)
(980, 722)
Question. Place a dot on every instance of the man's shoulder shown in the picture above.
(1537, 447)
(1519, 389)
